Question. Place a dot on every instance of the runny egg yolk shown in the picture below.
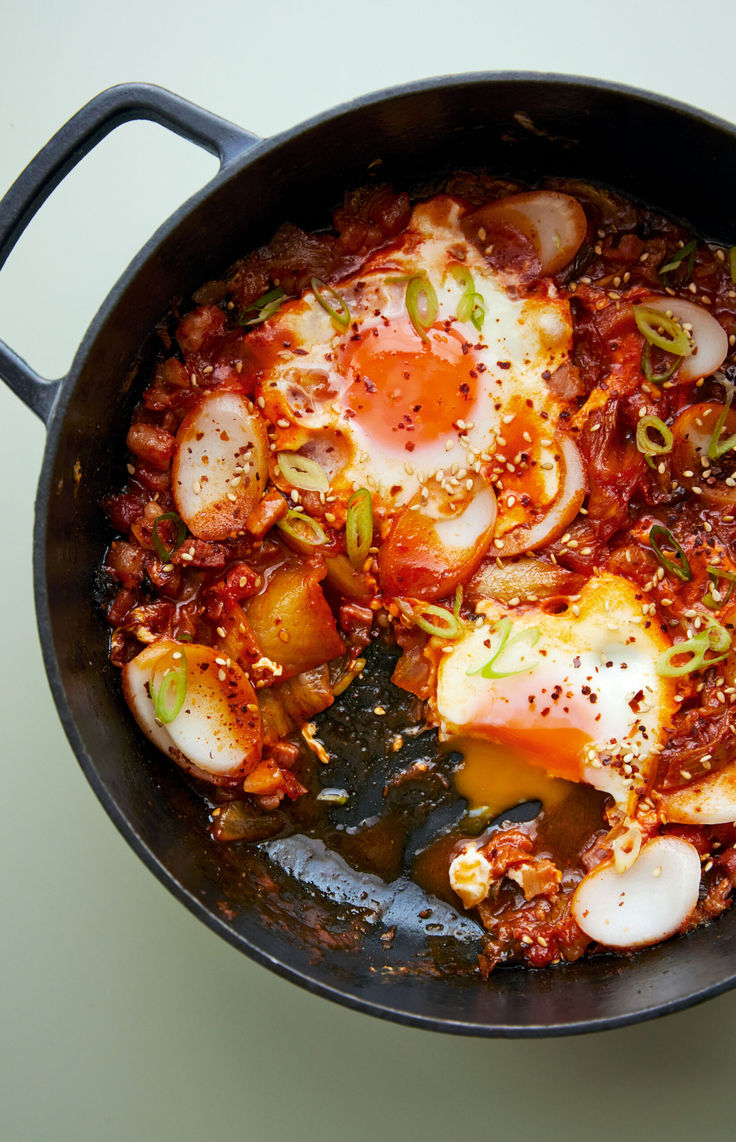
(406, 390)
(494, 777)
(577, 692)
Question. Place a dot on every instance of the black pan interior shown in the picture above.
(523, 127)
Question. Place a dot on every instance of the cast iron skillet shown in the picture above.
(523, 125)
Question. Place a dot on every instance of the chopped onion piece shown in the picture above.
(333, 796)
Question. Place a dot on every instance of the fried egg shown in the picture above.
(389, 404)
(576, 692)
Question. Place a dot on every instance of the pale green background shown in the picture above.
(121, 1017)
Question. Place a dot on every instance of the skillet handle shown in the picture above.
(61, 154)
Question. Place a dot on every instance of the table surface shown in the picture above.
(121, 1016)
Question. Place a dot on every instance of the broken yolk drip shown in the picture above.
(496, 777)
(557, 749)
(403, 388)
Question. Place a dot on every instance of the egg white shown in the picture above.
(585, 701)
(304, 388)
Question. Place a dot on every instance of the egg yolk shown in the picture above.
(408, 391)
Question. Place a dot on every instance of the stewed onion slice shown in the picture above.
(709, 801)
(220, 465)
(560, 512)
(553, 223)
(644, 904)
(431, 548)
(216, 731)
(708, 337)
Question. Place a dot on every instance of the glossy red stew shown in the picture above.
(451, 489)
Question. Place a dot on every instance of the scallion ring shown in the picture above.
(326, 295)
(652, 375)
(464, 279)
(660, 329)
(716, 446)
(508, 654)
(421, 304)
(263, 307)
(732, 263)
(687, 251)
(716, 574)
(301, 472)
(181, 534)
(359, 527)
(458, 601)
(679, 566)
(644, 441)
(478, 314)
(302, 528)
(447, 625)
(169, 693)
(716, 638)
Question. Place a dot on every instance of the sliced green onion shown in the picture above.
(500, 659)
(359, 526)
(651, 374)
(663, 331)
(681, 568)
(478, 314)
(168, 696)
(263, 307)
(302, 528)
(458, 601)
(644, 441)
(421, 304)
(687, 251)
(325, 294)
(471, 306)
(716, 574)
(732, 263)
(716, 638)
(464, 279)
(716, 446)
(333, 796)
(448, 625)
(181, 534)
(302, 472)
